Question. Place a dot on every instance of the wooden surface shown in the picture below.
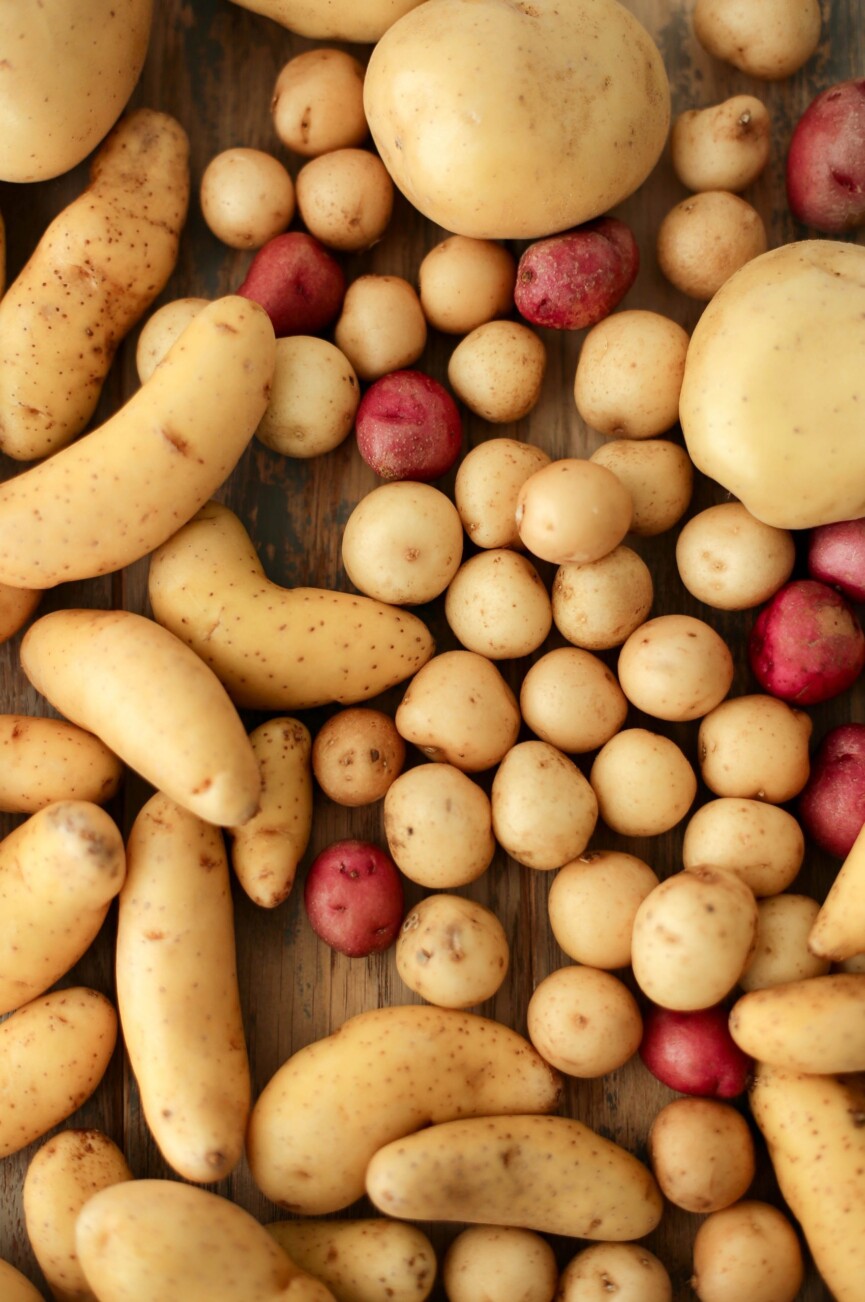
(213, 65)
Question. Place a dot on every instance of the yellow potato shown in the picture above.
(675, 667)
(459, 709)
(177, 991)
(544, 808)
(317, 102)
(16, 607)
(747, 1250)
(658, 475)
(439, 826)
(550, 1174)
(15, 1287)
(276, 648)
(487, 485)
(838, 931)
(439, 1062)
(701, 1153)
(94, 273)
(584, 1021)
(497, 604)
(771, 44)
(500, 1263)
(592, 904)
(781, 952)
(152, 701)
(755, 747)
(813, 1025)
(161, 331)
(362, 1260)
(124, 488)
(571, 699)
(762, 843)
(340, 20)
(452, 952)
(628, 1270)
(45, 759)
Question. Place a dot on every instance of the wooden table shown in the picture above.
(213, 65)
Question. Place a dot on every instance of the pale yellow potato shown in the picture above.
(313, 398)
(345, 198)
(357, 755)
(152, 701)
(702, 1154)
(59, 872)
(631, 1270)
(500, 1263)
(838, 931)
(549, 1174)
(571, 699)
(770, 44)
(361, 1258)
(247, 197)
(584, 1021)
(2, 254)
(53, 1053)
(629, 373)
(748, 1250)
(486, 487)
(707, 237)
(573, 510)
(452, 952)
(59, 329)
(761, 843)
(276, 648)
(505, 123)
(48, 124)
(598, 605)
(756, 747)
(458, 708)
(675, 667)
(498, 370)
(266, 850)
(781, 953)
(43, 760)
(544, 809)
(177, 991)
(441, 1063)
(814, 1025)
(341, 20)
(730, 560)
(451, 840)
(16, 1287)
(643, 781)
(381, 327)
(592, 904)
(497, 604)
(122, 489)
(657, 474)
(722, 147)
(464, 282)
(63, 1174)
(317, 102)
(16, 607)
(692, 938)
(161, 331)
(147, 1240)
(403, 543)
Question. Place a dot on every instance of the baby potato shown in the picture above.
(452, 952)
(755, 746)
(749, 1250)
(722, 147)
(381, 327)
(247, 197)
(675, 667)
(573, 510)
(438, 825)
(501, 1263)
(544, 810)
(629, 373)
(458, 708)
(730, 560)
(584, 1021)
(598, 605)
(571, 699)
(629, 1270)
(701, 1153)
(592, 903)
(487, 484)
(403, 543)
(361, 1259)
(317, 102)
(465, 282)
(760, 842)
(781, 951)
(313, 398)
(345, 198)
(643, 782)
(161, 331)
(356, 756)
(705, 238)
(498, 369)
(496, 604)
(658, 475)
(770, 44)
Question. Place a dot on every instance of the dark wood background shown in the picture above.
(213, 65)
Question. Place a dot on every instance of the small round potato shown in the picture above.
(381, 327)
(658, 475)
(749, 1250)
(627, 1270)
(403, 543)
(629, 374)
(161, 331)
(730, 560)
(592, 904)
(464, 283)
(499, 1264)
(781, 953)
(571, 699)
(497, 605)
(452, 952)
(702, 1154)
(247, 197)
(722, 147)
(761, 842)
(643, 782)
(459, 709)
(487, 485)
(584, 1021)
(356, 755)
(755, 746)
(675, 667)
(313, 398)
(573, 510)
(598, 605)
(544, 810)
(769, 42)
(438, 825)
(705, 238)
(317, 103)
(345, 198)
(498, 369)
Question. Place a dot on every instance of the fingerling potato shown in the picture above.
(46, 759)
(362, 1260)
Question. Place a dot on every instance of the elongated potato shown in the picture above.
(816, 1025)
(813, 1126)
(152, 701)
(68, 1169)
(53, 1054)
(124, 488)
(59, 872)
(14, 1287)
(276, 648)
(550, 1174)
(362, 1260)
(839, 928)
(312, 1130)
(341, 21)
(177, 991)
(44, 759)
(151, 1240)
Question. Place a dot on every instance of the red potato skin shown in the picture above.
(806, 645)
(826, 161)
(832, 803)
(298, 282)
(836, 555)
(354, 898)
(574, 280)
(408, 427)
(694, 1052)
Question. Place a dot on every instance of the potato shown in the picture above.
(781, 953)
(161, 331)
(496, 604)
(813, 1025)
(177, 991)
(300, 285)
(544, 809)
(247, 197)
(345, 198)
(317, 102)
(825, 180)
(207, 585)
(403, 543)
(486, 487)
(16, 607)
(438, 824)
(458, 708)
(807, 644)
(573, 510)
(659, 477)
(832, 803)
(59, 872)
(629, 373)
(748, 1250)
(643, 782)
(54, 1051)
(571, 281)
(756, 747)
(550, 1174)
(837, 932)
(796, 313)
(693, 1052)
(707, 237)
(571, 699)
(16, 1287)
(123, 488)
(45, 760)
(381, 326)
(125, 230)
(597, 605)
(408, 427)
(464, 283)
(675, 667)
(152, 701)
(730, 560)
(313, 398)
(722, 147)
(341, 21)
(50, 126)
(702, 1154)
(633, 1272)
(761, 843)
(452, 952)
(584, 1021)
(353, 898)
(441, 1063)
(592, 903)
(358, 1258)
(357, 755)
(501, 1263)
(498, 370)
(835, 554)
(469, 105)
(780, 42)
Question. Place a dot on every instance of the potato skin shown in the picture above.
(814, 1025)
(362, 1259)
(47, 759)
(16, 1288)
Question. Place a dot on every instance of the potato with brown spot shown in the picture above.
(362, 1259)
(459, 710)
(46, 759)
(357, 755)
(702, 1154)
(452, 951)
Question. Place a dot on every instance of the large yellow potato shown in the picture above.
(337, 20)
(46, 759)
(517, 120)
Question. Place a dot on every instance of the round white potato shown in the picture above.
(592, 904)
(317, 102)
(769, 43)
(464, 283)
(729, 559)
(161, 331)
(247, 197)
(675, 667)
(544, 810)
(584, 1021)
(629, 374)
(459, 709)
(571, 699)
(761, 842)
(573, 510)
(313, 398)
(403, 543)
(381, 327)
(722, 147)
(658, 476)
(707, 237)
(438, 826)
(345, 198)
(628, 1270)
(755, 746)
(452, 952)
(499, 1264)
(598, 605)
(643, 781)
(749, 1250)
(781, 952)
(498, 369)
(487, 485)
(702, 1154)
(497, 605)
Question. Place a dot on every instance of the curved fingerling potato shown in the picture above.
(46, 759)
(362, 1259)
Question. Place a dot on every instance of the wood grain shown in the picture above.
(213, 65)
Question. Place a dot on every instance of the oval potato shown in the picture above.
(362, 1259)
(814, 1025)
(46, 759)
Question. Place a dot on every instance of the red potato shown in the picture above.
(826, 161)
(574, 280)
(832, 803)
(408, 427)
(694, 1052)
(806, 645)
(836, 555)
(354, 898)
(298, 283)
